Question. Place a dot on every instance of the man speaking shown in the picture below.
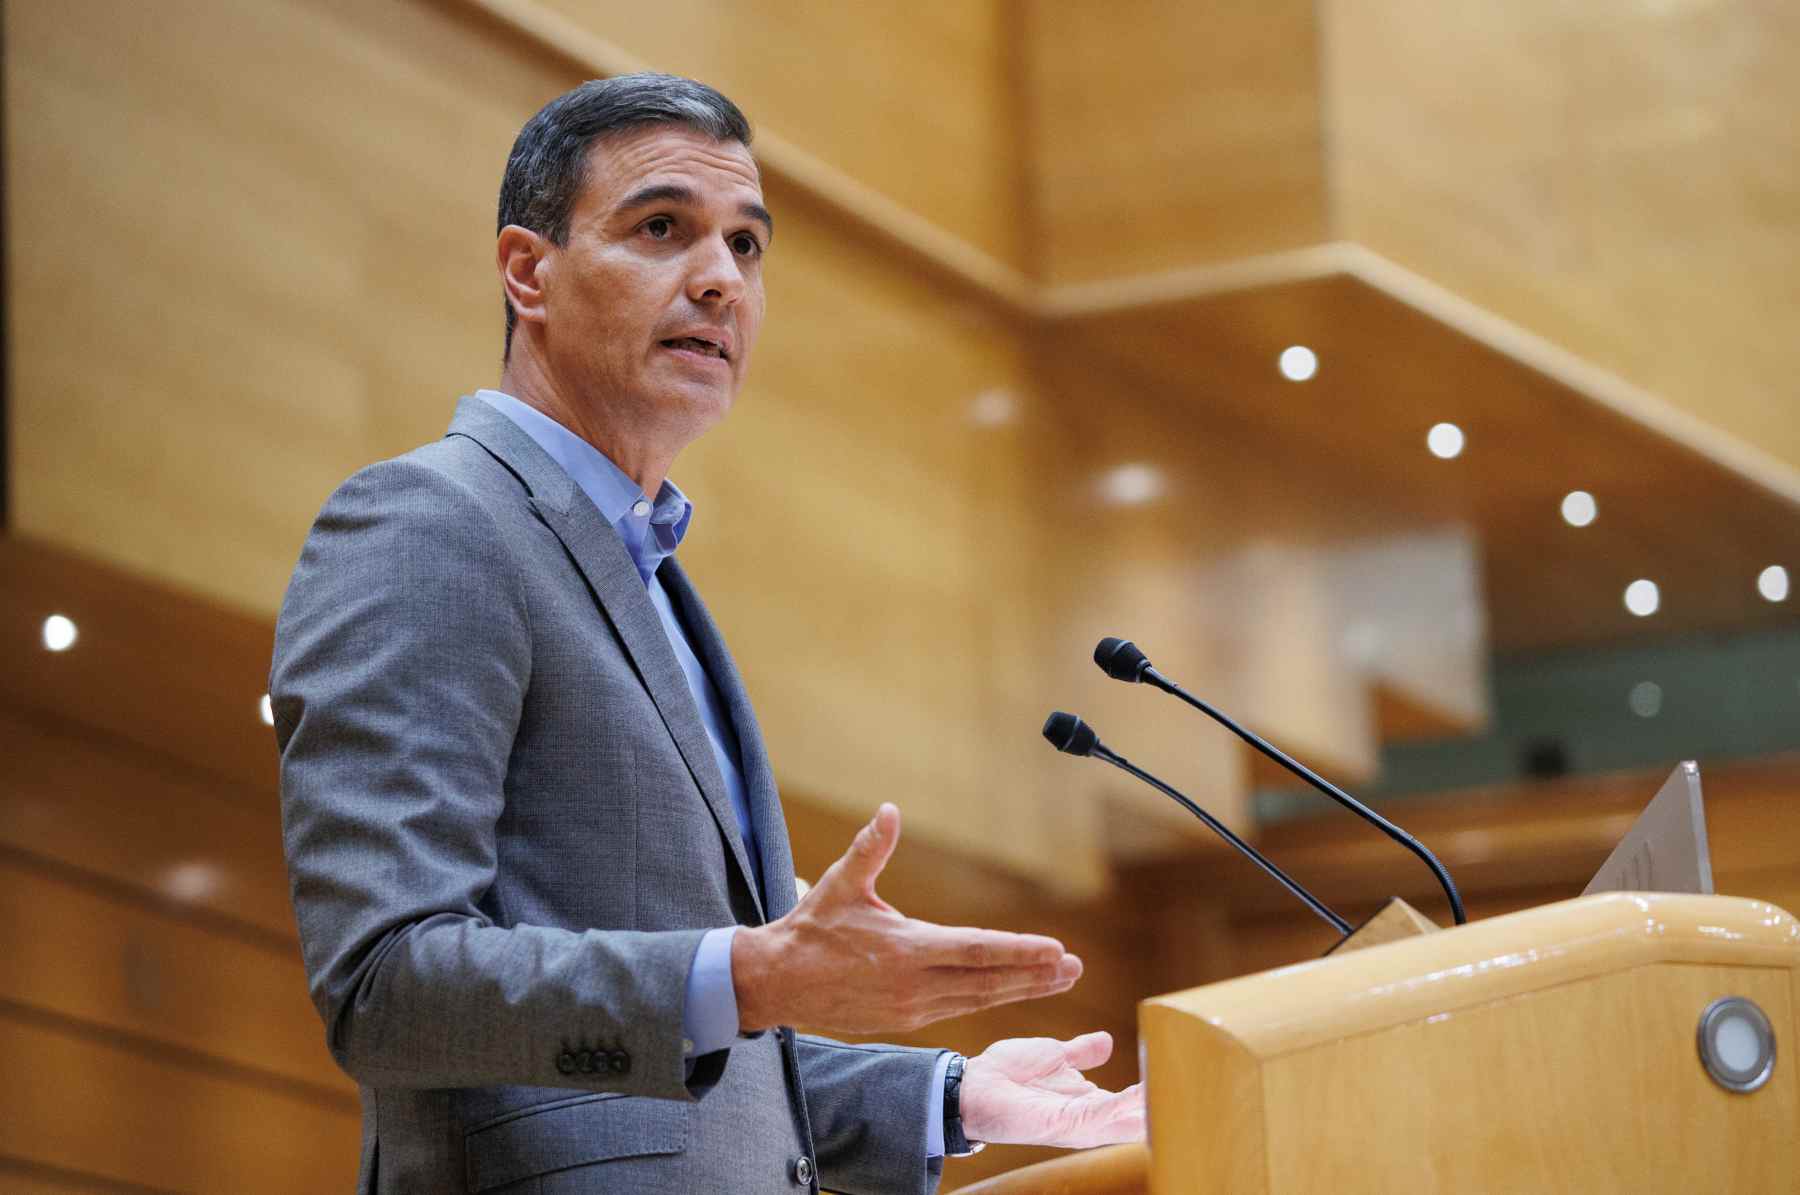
(542, 877)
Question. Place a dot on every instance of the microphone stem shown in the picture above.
(1323, 785)
(1222, 830)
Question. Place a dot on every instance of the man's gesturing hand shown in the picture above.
(846, 961)
(1030, 1091)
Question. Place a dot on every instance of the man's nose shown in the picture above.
(716, 275)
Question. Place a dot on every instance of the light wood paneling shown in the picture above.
(146, 823)
(1619, 177)
(914, 100)
(256, 288)
(97, 1108)
(112, 963)
(1167, 134)
(22, 1178)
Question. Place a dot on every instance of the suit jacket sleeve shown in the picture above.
(402, 661)
(867, 1105)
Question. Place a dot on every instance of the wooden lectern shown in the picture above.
(1559, 1049)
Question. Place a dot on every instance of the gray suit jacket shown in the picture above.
(506, 834)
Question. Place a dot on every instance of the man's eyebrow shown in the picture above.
(657, 193)
(677, 194)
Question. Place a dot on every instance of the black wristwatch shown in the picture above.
(956, 1145)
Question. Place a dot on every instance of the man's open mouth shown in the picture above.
(695, 344)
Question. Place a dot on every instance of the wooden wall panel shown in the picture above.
(24, 1178)
(132, 820)
(915, 100)
(111, 962)
(1620, 178)
(1166, 134)
(256, 288)
(93, 1107)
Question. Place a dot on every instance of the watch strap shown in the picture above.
(956, 1143)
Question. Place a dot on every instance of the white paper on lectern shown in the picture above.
(1665, 850)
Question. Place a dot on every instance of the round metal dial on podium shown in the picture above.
(1737, 1044)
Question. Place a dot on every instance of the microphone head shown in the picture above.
(1121, 659)
(1070, 734)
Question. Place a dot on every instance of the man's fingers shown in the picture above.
(944, 1004)
(870, 850)
(976, 982)
(953, 946)
(1089, 1050)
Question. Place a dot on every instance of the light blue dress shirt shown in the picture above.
(651, 532)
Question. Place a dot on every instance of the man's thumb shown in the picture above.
(872, 847)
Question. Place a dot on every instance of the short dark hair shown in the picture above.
(548, 165)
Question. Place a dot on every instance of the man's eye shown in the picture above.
(658, 226)
(746, 245)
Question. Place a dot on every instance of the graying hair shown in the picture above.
(548, 165)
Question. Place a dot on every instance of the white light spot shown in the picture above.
(1363, 643)
(191, 881)
(1579, 508)
(1772, 583)
(267, 709)
(992, 408)
(1642, 598)
(59, 632)
(1298, 363)
(801, 888)
(1645, 699)
(1445, 441)
(1131, 485)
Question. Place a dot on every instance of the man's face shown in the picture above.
(653, 304)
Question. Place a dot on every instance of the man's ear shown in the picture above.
(523, 256)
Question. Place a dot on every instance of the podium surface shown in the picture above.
(1549, 1050)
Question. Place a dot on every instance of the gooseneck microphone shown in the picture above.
(1072, 736)
(1121, 660)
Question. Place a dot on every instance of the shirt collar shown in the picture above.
(651, 530)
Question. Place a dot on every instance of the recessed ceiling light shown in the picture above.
(1645, 699)
(190, 882)
(1298, 363)
(992, 408)
(1642, 598)
(1131, 485)
(1772, 583)
(59, 632)
(1579, 508)
(1445, 441)
(267, 709)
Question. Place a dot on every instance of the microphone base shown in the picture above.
(1394, 922)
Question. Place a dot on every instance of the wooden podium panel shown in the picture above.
(1551, 1050)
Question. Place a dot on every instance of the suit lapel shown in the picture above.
(613, 579)
(766, 819)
